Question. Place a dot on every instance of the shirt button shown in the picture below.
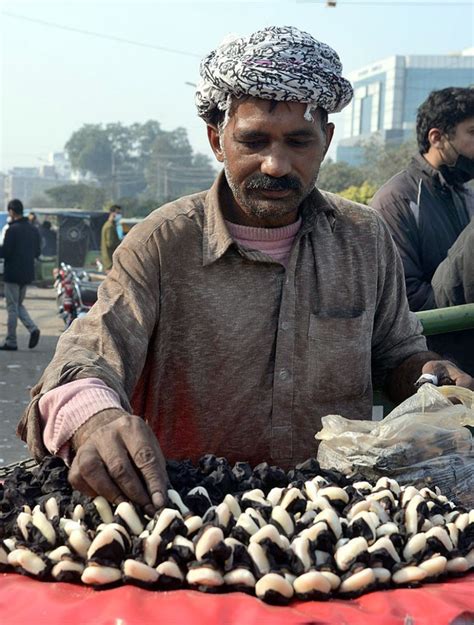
(284, 374)
(285, 325)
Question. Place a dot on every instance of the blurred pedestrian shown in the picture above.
(109, 237)
(33, 220)
(20, 247)
(4, 230)
(48, 239)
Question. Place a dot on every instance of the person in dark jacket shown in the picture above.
(22, 244)
(453, 281)
(428, 205)
(48, 236)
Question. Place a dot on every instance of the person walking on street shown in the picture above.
(109, 237)
(20, 247)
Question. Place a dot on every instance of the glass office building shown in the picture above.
(387, 94)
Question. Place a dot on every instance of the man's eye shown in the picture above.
(252, 144)
(299, 143)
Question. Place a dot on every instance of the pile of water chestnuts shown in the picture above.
(308, 533)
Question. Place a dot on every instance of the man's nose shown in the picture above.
(276, 163)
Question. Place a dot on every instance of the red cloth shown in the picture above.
(25, 601)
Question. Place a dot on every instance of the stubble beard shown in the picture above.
(263, 208)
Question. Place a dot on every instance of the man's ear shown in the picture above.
(215, 142)
(436, 138)
(329, 135)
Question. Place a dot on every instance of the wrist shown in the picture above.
(98, 420)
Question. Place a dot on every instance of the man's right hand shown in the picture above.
(118, 456)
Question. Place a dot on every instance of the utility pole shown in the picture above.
(165, 181)
(113, 176)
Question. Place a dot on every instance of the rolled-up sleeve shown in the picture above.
(111, 341)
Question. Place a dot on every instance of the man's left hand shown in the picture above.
(447, 373)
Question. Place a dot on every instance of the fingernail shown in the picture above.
(150, 510)
(158, 499)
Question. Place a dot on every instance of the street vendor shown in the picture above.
(234, 319)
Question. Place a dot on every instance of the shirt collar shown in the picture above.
(216, 236)
(429, 169)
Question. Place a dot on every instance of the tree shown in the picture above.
(90, 150)
(362, 194)
(40, 200)
(77, 196)
(384, 161)
(140, 160)
(173, 170)
(137, 207)
(335, 177)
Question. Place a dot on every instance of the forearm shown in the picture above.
(66, 408)
(401, 381)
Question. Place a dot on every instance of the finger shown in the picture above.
(444, 370)
(77, 481)
(154, 474)
(148, 458)
(125, 476)
(465, 380)
(435, 367)
(94, 473)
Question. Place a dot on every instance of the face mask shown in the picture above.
(118, 218)
(461, 172)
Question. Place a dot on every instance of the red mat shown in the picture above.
(24, 601)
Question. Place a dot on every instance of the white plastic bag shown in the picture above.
(425, 440)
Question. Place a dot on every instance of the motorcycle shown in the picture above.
(76, 293)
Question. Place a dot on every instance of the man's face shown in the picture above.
(462, 140)
(271, 159)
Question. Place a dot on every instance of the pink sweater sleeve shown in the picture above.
(65, 408)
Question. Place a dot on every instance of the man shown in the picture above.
(235, 318)
(49, 245)
(428, 205)
(33, 220)
(453, 281)
(109, 237)
(20, 247)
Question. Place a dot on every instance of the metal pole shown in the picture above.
(442, 320)
(113, 175)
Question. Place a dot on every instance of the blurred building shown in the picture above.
(26, 182)
(61, 164)
(2, 191)
(387, 94)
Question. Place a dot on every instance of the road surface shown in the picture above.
(20, 370)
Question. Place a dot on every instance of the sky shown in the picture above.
(54, 79)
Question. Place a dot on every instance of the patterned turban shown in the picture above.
(276, 63)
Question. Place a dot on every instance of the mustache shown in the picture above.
(262, 182)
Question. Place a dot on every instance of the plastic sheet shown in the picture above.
(423, 441)
(25, 601)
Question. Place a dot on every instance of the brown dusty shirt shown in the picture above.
(224, 351)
